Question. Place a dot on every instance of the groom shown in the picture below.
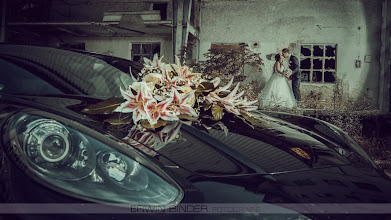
(294, 65)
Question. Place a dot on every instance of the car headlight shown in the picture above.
(82, 166)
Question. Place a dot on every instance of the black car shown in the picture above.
(58, 160)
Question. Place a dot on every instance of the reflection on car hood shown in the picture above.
(271, 146)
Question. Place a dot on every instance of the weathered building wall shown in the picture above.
(121, 46)
(354, 25)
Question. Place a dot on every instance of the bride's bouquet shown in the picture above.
(171, 92)
(287, 73)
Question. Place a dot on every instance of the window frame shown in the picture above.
(141, 54)
(323, 58)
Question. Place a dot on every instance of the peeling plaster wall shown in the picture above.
(354, 25)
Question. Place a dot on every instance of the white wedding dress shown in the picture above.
(277, 92)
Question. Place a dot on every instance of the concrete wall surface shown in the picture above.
(353, 25)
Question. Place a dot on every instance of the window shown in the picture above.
(162, 7)
(141, 50)
(318, 63)
(79, 46)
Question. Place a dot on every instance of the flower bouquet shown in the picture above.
(168, 93)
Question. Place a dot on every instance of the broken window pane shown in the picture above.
(329, 77)
(317, 64)
(306, 50)
(305, 64)
(136, 48)
(330, 51)
(329, 64)
(318, 50)
(305, 76)
(317, 76)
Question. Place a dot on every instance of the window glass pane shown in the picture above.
(156, 48)
(317, 65)
(305, 63)
(318, 50)
(329, 64)
(306, 50)
(305, 76)
(136, 49)
(146, 48)
(136, 58)
(317, 76)
(330, 51)
(329, 77)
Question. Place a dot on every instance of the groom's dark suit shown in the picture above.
(294, 65)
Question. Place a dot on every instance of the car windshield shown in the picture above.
(47, 71)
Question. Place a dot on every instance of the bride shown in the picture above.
(277, 92)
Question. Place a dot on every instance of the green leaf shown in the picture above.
(106, 107)
(217, 112)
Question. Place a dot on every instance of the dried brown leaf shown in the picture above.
(147, 125)
(105, 107)
(119, 119)
(217, 112)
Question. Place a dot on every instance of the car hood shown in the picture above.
(267, 146)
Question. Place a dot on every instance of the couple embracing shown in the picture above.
(277, 91)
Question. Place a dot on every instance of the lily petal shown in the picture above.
(216, 81)
(233, 93)
(187, 109)
(226, 87)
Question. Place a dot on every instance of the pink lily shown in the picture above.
(147, 140)
(226, 87)
(171, 82)
(228, 101)
(135, 104)
(159, 110)
(166, 135)
(246, 106)
(179, 103)
(184, 73)
(216, 81)
(141, 141)
(155, 62)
